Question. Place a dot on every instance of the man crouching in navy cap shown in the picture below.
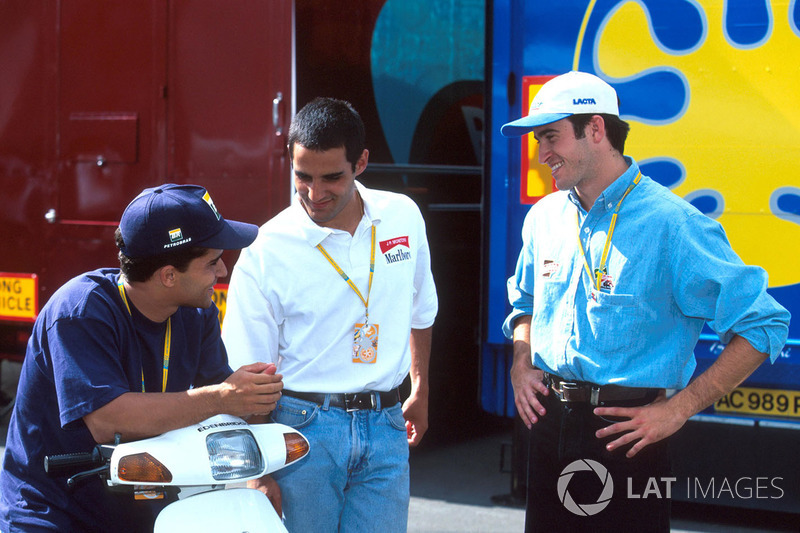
(134, 351)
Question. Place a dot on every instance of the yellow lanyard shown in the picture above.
(167, 340)
(345, 277)
(598, 272)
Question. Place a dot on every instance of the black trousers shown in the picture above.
(576, 485)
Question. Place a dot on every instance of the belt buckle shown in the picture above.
(564, 389)
(349, 401)
(352, 402)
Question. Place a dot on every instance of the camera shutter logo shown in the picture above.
(587, 509)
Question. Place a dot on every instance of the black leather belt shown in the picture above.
(349, 401)
(597, 395)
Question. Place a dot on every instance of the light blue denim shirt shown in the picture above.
(670, 269)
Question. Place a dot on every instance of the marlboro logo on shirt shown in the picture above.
(393, 252)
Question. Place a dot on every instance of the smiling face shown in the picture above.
(325, 182)
(572, 161)
(196, 284)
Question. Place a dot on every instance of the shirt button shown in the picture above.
(610, 205)
(586, 231)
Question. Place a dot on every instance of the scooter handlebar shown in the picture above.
(68, 463)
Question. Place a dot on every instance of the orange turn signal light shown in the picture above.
(142, 467)
(296, 446)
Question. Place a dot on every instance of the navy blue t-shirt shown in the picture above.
(87, 349)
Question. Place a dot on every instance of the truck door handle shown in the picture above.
(276, 113)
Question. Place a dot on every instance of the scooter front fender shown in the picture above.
(237, 509)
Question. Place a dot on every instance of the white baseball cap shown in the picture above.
(570, 94)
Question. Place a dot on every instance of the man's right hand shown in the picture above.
(526, 380)
(254, 389)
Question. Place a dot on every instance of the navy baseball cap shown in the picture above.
(169, 217)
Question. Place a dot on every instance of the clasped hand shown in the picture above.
(254, 389)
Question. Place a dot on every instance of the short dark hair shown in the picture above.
(142, 268)
(616, 128)
(327, 123)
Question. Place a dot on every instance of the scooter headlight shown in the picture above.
(234, 454)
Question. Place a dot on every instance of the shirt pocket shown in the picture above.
(617, 323)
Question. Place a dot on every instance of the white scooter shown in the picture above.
(199, 461)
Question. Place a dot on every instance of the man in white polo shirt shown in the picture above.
(337, 291)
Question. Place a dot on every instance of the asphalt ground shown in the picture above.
(463, 487)
(455, 488)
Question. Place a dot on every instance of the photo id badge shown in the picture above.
(365, 343)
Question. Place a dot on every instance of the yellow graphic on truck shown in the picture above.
(737, 137)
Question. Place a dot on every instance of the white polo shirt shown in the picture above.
(288, 305)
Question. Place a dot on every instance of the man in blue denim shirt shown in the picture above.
(615, 280)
